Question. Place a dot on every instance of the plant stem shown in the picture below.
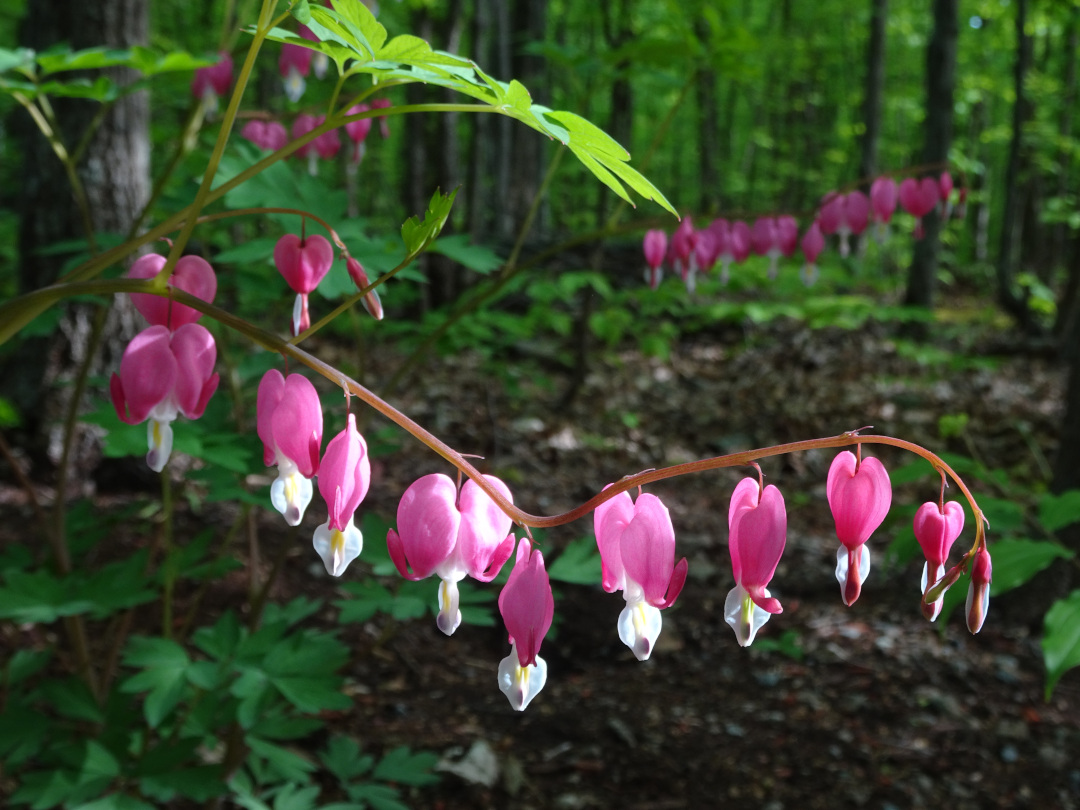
(277, 344)
(169, 573)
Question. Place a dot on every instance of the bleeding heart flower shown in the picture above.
(163, 374)
(757, 533)
(267, 135)
(358, 131)
(682, 256)
(655, 246)
(440, 532)
(294, 64)
(344, 478)
(860, 495)
(384, 125)
(813, 242)
(303, 263)
(290, 423)
(210, 83)
(918, 198)
(883, 196)
(527, 607)
(936, 530)
(192, 274)
(637, 554)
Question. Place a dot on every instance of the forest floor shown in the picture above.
(833, 707)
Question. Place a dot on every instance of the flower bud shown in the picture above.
(978, 598)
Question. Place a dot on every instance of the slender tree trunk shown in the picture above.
(115, 175)
(1011, 222)
(940, 81)
(875, 88)
(1064, 160)
(708, 132)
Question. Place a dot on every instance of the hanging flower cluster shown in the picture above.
(845, 216)
(456, 531)
(167, 369)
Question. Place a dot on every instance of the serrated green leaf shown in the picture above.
(302, 12)
(296, 797)
(379, 797)
(1058, 511)
(287, 763)
(342, 758)
(579, 563)
(221, 640)
(199, 783)
(71, 698)
(518, 97)
(24, 664)
(16, 59)
(402, 765)
(1061, 639)
(360, 15)
(115, 801)
(99, 762)
(404, 48)
(1017, 561)
(164, 675)
(478, 258)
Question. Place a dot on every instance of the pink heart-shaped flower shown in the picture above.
(303, 262)
(192, 275)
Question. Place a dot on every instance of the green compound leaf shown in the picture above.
(1061, 639)
(1058, 511)
(403, 766)
(579, 563)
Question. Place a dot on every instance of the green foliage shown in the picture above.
(1061, 639)
(356, 42)
(578, 563)
(36, 74)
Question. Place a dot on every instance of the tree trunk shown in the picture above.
(1064, 160)
(875, 88)
(1008, 296)
(115, 174)
(708, 132)
(940, 80)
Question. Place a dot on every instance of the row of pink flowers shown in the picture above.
(455, 533)
(690, 251)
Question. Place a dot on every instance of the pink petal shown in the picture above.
(648, 548)
(428, 521)
(345, 474)
(856, 211)
(936, 532)
(303, 262)
(526, 603)
(757, 539)
(148, 372)
(813, 242)
(610, 520)
(297, 424)
(196, 353)
(883, 194)
(484, 528)
(859, 500)
(271, 389)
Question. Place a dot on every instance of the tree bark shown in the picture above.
(940, 81)
(115, 174)
(875, 88)
(1008, 297)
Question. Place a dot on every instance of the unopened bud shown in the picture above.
(978, 598)
(372, 303)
